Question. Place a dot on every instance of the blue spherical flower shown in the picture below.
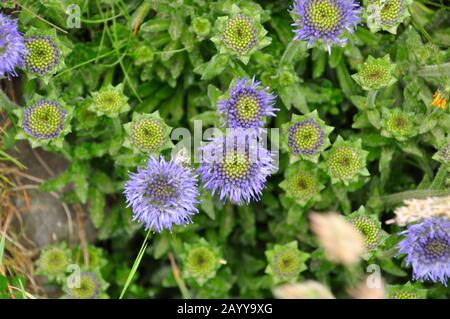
(236, 167)
(12, 47)
(162, 194)
(427, 249)
(44, 120)
(325, 20)
(247, 104)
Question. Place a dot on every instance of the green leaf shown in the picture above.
(207, 204)
(387, 154)
(97, 201)
(56, 183)
(212, 68)
(161, 246)
(336, 57)
(390, 267)
(2, 250)
(319, 62)
(226, 221)
(213, 94)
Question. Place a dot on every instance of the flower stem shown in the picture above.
(371, 97)
(439, 178)
(176, 274)
(137, 261)
(398, 198)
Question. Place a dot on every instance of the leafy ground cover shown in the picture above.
(346, 101)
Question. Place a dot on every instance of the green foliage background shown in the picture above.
(168, 66)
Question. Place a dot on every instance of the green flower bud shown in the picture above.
(286, 77)
(406, 291)
(398, 124)
(44, 122)
(200, 261)
(240, 34)
(143, 56)
(46, 53)
(147, 133)
(375, 73)
(302, 183)
(109, 101)
(387, 14)
(53, 262)
(88, 287)
(285, 262)
(346, 161)
(368, 226)
(43, 54)
(201, 26)
(305, 137)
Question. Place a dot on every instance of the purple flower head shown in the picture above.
(427, 249)
(162, 194)
(44, 120)
(236, 167)
(306, 137)
(325, 20)
(247, 104)
(12, 47)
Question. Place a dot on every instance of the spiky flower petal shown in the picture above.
(44, 120)
(201, 261)
(305, 136)
(346, 160)
(375, 74)
(12, 47)
(162, 194)
(43, 54)
(286, 262)
(236, 167)
(109, 101)
(325, 20)
(246, 104)
(427, 249)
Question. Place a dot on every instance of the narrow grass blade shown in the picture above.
(137, 261)
(2, 249)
